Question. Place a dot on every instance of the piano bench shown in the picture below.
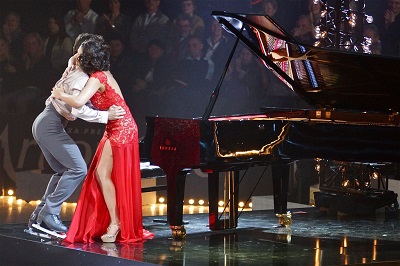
(149, 171)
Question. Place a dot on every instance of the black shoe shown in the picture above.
(32, 219)
(52, 221)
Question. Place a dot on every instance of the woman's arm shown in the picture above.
(82, 98)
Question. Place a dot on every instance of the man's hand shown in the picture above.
(115, 112)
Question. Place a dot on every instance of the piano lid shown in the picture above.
(325, 78)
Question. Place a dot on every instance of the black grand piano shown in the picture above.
(356, 98)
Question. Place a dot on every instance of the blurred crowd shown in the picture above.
(166, 65)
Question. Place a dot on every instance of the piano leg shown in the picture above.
(280, 183)
(175, 197)
(231, 197)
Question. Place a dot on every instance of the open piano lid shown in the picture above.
(325, 78)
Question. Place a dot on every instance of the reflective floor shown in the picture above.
(314, 238)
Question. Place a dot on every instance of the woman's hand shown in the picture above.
(57, 92)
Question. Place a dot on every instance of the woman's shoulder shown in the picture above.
(100, 75)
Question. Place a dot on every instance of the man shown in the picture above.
(152, 24)
(60, 151)
(82, 19)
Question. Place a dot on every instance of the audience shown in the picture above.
(152, 24)
(371, 31)
(151, 56)
(8, 71)
(152, 79)
(188, 7)
(218, 48)
(82, 19)
(390, 31)
(57, 44)
(303, 32)
(121, 64)
(114, 22)
(14, 34)
(177, 43)
(35, 77)
(269, 7)
(191, 90)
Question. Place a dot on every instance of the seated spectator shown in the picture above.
(390, 31)
(14, 34)
(121, 65)
(217, 49)
(188, 7)
(177, 43)
(152, 79)
(314, 12)
(192, 76)
(80, 20)
(115, 22)
(34, 77)
(8, 70)
(152, 24)
(251, 74)
(269, 7)
(371, 31)
(58, 45)
(153, 70)
(303, 31)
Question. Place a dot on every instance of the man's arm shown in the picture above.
(89, 114)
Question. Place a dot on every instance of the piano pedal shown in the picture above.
(285, 219)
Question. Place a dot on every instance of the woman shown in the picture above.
(110, 204)
(58, 45)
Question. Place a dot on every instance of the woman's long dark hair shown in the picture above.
(95, 56)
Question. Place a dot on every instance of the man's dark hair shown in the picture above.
(84, 37)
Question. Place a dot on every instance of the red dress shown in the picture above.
(91, 217)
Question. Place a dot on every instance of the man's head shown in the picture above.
(84, 37)
(184, 22)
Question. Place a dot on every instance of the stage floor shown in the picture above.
(314, 238)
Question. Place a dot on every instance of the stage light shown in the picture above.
(369, 19)
(161, 199)
(374, 175)
(191, 201)
(241, 204)
(201, 202)
(221, 203)
(10, 192)
(346, 183)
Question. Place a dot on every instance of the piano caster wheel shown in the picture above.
(178, 232)
(285, 219)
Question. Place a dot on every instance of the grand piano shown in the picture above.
(356, 98)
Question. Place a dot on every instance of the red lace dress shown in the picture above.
(91, 217)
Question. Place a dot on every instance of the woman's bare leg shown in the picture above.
(103, 175)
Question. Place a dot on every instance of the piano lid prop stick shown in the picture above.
(215, 93)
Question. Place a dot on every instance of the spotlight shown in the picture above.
(369, 19)
(191, 201)
(346, 183)
(241, 204)
(374, 175)
(221, 203)
(161, 199)
(10, 192)
(201, 202)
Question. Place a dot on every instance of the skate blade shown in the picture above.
(31, 232)
(50, 232)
